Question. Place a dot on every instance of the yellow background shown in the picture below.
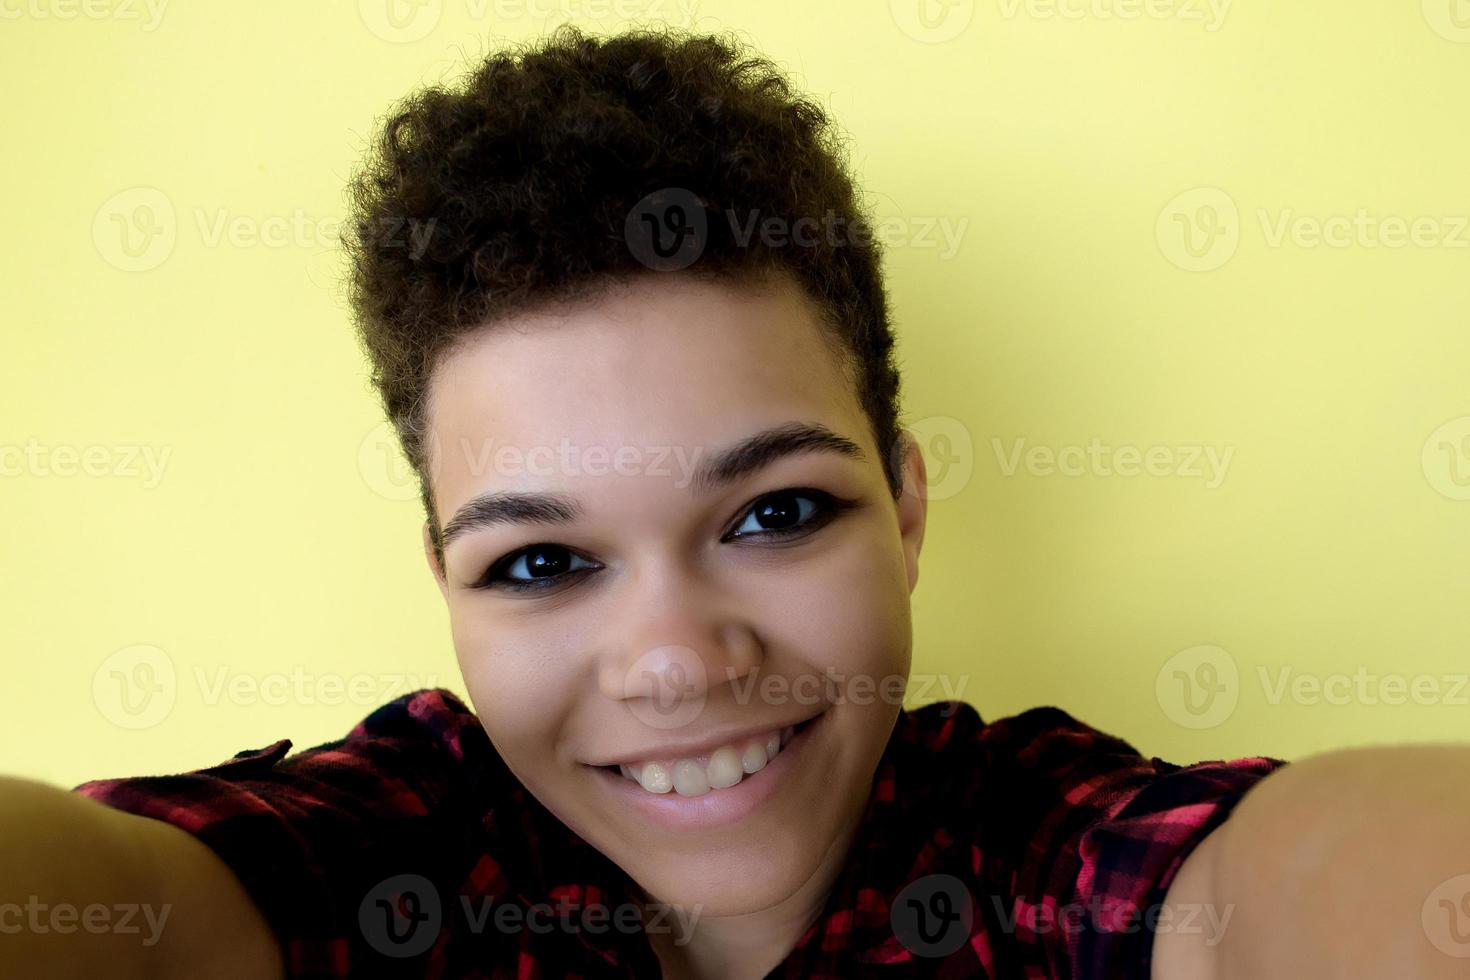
(1071, 145)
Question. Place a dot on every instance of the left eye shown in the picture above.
(778, 516)
(782, 514)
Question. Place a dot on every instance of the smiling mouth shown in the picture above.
(725, 767)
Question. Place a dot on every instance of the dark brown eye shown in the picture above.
(533, 567)
(779, 512)
(789, 513)
(783, 514)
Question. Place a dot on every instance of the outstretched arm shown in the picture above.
(1351, 863)
(89, 891)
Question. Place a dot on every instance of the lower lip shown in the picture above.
(718, 807)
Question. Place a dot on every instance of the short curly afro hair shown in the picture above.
(525, 184)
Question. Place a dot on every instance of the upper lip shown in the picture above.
(697, 747)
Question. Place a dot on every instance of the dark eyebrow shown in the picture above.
(721, 469)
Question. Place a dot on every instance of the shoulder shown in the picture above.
(433, 717)
(405, 756)
(1085, 833)
(308, 835)
(1039, 741)
(1049, 743)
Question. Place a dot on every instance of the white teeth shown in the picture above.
(690, 779)
(754, 759)
(655, 778)
(726, 767)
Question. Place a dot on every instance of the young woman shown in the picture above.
(622, 307)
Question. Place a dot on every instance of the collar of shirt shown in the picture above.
(892, 847)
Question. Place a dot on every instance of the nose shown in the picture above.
(681, 640)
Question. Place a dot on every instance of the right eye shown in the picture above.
(533, 568)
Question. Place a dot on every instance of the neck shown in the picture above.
(748, 946)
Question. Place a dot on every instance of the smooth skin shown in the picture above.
(68, 850)
(663, 373)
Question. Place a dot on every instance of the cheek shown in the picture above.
(521, 691)
(848, 611)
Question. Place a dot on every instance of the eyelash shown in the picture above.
(828, 507)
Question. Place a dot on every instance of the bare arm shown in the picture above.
(88, 891)
(1352, 863)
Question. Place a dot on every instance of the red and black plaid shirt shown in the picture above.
(1060, 838)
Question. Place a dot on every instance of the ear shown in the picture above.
(913, 504)
(434, 567)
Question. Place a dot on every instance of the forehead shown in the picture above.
(661, 361)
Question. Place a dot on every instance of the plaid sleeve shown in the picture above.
(309, 835)
(1094, 837)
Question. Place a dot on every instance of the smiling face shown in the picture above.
(652, 610)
